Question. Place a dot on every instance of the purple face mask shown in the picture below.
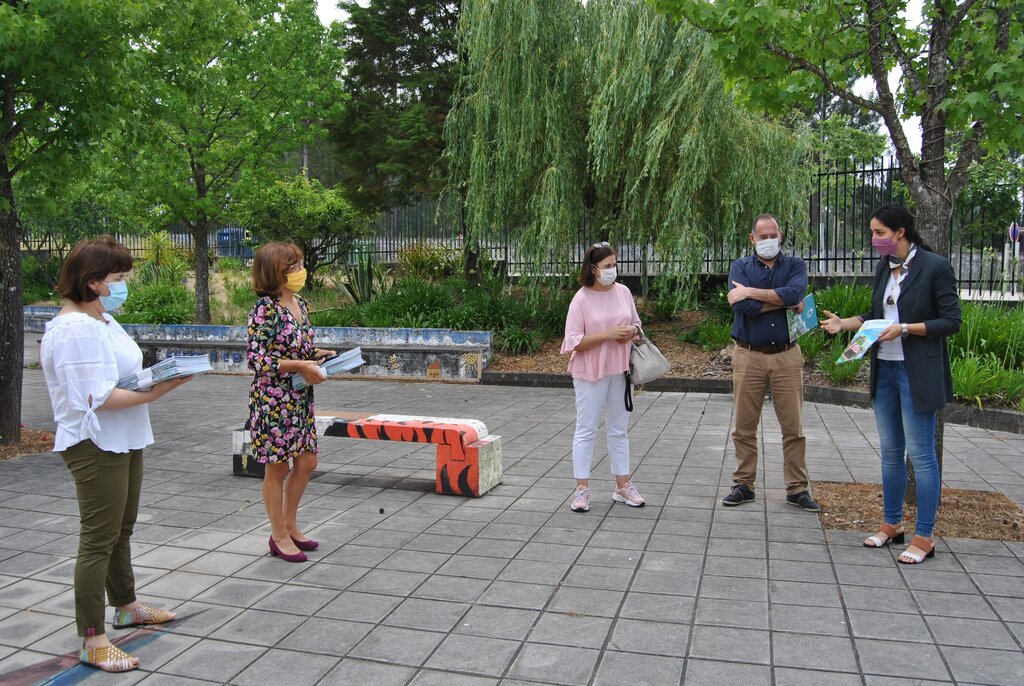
(883, 246)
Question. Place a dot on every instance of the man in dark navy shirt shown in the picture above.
(761, 287)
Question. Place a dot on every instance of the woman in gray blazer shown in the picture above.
(910, 375)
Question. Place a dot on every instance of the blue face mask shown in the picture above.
(118, 294)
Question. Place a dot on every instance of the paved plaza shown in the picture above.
(411, 587)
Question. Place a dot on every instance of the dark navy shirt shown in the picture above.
(787, 277)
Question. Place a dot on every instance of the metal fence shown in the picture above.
(835, 241)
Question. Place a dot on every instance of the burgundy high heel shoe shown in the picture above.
(308, 544)
(276, 552)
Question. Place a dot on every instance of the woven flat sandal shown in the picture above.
(140, 616)
(109, 658)
(890, 534)
(926, 546)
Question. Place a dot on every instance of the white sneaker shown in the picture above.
(629, 495)
(580, 500)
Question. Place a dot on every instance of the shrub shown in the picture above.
(811, 345)
(716, 304)
(158, 303)
(547, 311)
(845, 300)
(413, 296)
(428, 262)
(241, 294)
(711, 334)
(664, 307)
(1012, 384)
(515, 340)
(38, 278)
(992, 329)
(838, 374)
(364, 280)
(337, 316)
(976, 377)
(231, 264)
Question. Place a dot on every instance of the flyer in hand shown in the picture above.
(342, 362)
(171, 368)
(799, 324)
(865, 337)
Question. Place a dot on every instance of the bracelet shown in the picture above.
(906, 330)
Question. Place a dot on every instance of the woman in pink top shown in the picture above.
(601, 324)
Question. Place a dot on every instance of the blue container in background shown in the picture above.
(231, 242)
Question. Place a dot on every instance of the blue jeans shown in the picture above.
(902, 431)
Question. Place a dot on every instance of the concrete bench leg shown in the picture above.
(473, 474)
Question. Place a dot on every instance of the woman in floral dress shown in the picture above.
(281, 418)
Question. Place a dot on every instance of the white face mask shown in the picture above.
(768, 248)
(606, 277)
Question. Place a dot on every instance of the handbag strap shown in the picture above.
(628, 399)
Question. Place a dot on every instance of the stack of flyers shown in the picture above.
(342, 362)
(171, 368)
(865, 337)
(799, 324)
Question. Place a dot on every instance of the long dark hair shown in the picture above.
(595, 253)
(899, 217)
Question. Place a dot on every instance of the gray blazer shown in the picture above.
(928, 294)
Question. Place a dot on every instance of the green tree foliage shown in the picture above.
(319, 220)
(399, 77)
(225, 88)
(62, 62)
(960, 69)
(82, 212)
(610, 112)
(993, 196)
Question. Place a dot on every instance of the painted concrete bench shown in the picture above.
(468, 457)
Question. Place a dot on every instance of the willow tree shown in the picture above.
(609, 112)
(516, 133)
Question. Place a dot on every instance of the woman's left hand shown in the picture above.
(322, 354)
(891, 333)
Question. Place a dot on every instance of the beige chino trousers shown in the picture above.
(753, 374)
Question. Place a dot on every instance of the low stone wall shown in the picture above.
(36, 317)
(436, 354)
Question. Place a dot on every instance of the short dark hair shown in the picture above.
(594, 254)
(270, 266)
(92, 259)
(762, 217)
(894, 217)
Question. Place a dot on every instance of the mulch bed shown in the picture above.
(32, 442)
(986, 515)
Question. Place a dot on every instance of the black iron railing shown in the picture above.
(834, 242)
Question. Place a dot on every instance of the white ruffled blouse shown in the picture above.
(82, 359)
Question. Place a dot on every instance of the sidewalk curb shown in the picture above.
(1009, 421)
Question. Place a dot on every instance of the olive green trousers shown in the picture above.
(108, 485)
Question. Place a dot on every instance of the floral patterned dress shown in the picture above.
(280, 418)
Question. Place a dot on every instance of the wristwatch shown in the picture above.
(906, 330)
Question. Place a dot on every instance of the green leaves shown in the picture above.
(400, 71)
(321, 221)
(610, 114)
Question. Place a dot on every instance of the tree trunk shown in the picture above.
(201, 265)
(470, 248)
(12, 325)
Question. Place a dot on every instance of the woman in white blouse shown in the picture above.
(101, 431)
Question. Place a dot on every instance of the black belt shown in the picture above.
(766, 349)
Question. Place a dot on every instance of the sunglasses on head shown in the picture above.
(602, 244)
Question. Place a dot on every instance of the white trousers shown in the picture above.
(594, 398)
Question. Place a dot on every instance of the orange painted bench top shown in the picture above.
(468, 457)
